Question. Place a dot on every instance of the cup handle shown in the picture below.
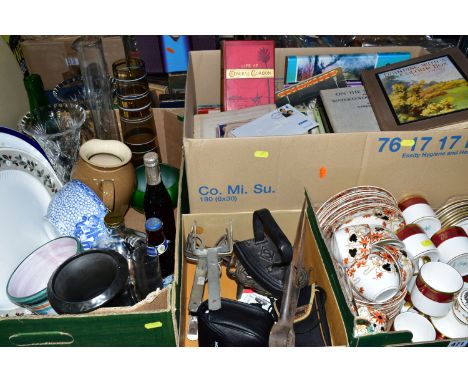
(108, 194)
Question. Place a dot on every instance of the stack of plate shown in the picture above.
(27, 185)
(454, 213)
(360, 205)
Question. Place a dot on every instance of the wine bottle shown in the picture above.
(158, 245)
(35, 90)
(157, 202)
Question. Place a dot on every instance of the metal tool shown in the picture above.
(208, 269)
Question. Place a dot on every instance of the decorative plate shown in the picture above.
(26, 189)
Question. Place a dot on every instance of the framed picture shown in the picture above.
(422, 93)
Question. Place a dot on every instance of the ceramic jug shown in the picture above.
(104, 166)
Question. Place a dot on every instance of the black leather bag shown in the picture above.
(310, 323)
(262, 262)
(235, 324)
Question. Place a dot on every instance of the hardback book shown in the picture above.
(286, 120)
(217, 124)
(305, 92)
(426, 92)
(248, 74)
(348, 110)
(300, 68)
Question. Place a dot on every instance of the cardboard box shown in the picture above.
(212, 226)
(54, 59)
(169, 130)
(273, 171)
(151, 322)
(242, 174)
(317, 261)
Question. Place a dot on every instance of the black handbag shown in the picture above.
(310, 322)
(235, 324)
(262, 262)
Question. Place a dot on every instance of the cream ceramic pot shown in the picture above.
(104, 166)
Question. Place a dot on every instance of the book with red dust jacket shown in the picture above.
(248, 74)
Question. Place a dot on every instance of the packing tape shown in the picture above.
(153, 325)
(261, 154)
(408, 142)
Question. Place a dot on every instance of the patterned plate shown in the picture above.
(26, 189)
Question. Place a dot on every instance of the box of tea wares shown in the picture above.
(364, 266)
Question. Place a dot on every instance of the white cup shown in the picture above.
(416, 209)
(435, 288)
(374, 278)
(452, 244)
(420, 326)
(417, 243)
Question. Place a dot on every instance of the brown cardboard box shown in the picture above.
(54, 59)
(212, 226)
(316, 261)
(230, 175)
(169, 130)
(151, 322)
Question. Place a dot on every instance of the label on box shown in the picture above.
(458, 344)
(425, 146)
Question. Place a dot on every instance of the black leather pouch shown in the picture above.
(310, 322)
(261, 263)
(235, 324)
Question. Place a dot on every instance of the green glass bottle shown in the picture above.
(35, 89)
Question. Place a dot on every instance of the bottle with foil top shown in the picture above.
(158, 247)
(157, 202)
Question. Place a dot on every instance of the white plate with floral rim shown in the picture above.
(26, 189)
(14, 139)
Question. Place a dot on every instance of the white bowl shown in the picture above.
(420, 326)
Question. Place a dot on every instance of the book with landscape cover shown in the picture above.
(248, 73)
(349, 110)
(308, 90)
(300, 68)
(427, 92)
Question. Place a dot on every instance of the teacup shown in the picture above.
(374, 278)
(435, 288)
(400, 256)
(416, 209)
(419, 326)
(77, 211)
(452, 243)
(417, 244)
(27, 286)
(352, 242)
(104, 166)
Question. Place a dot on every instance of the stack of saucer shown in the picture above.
(454, 213)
